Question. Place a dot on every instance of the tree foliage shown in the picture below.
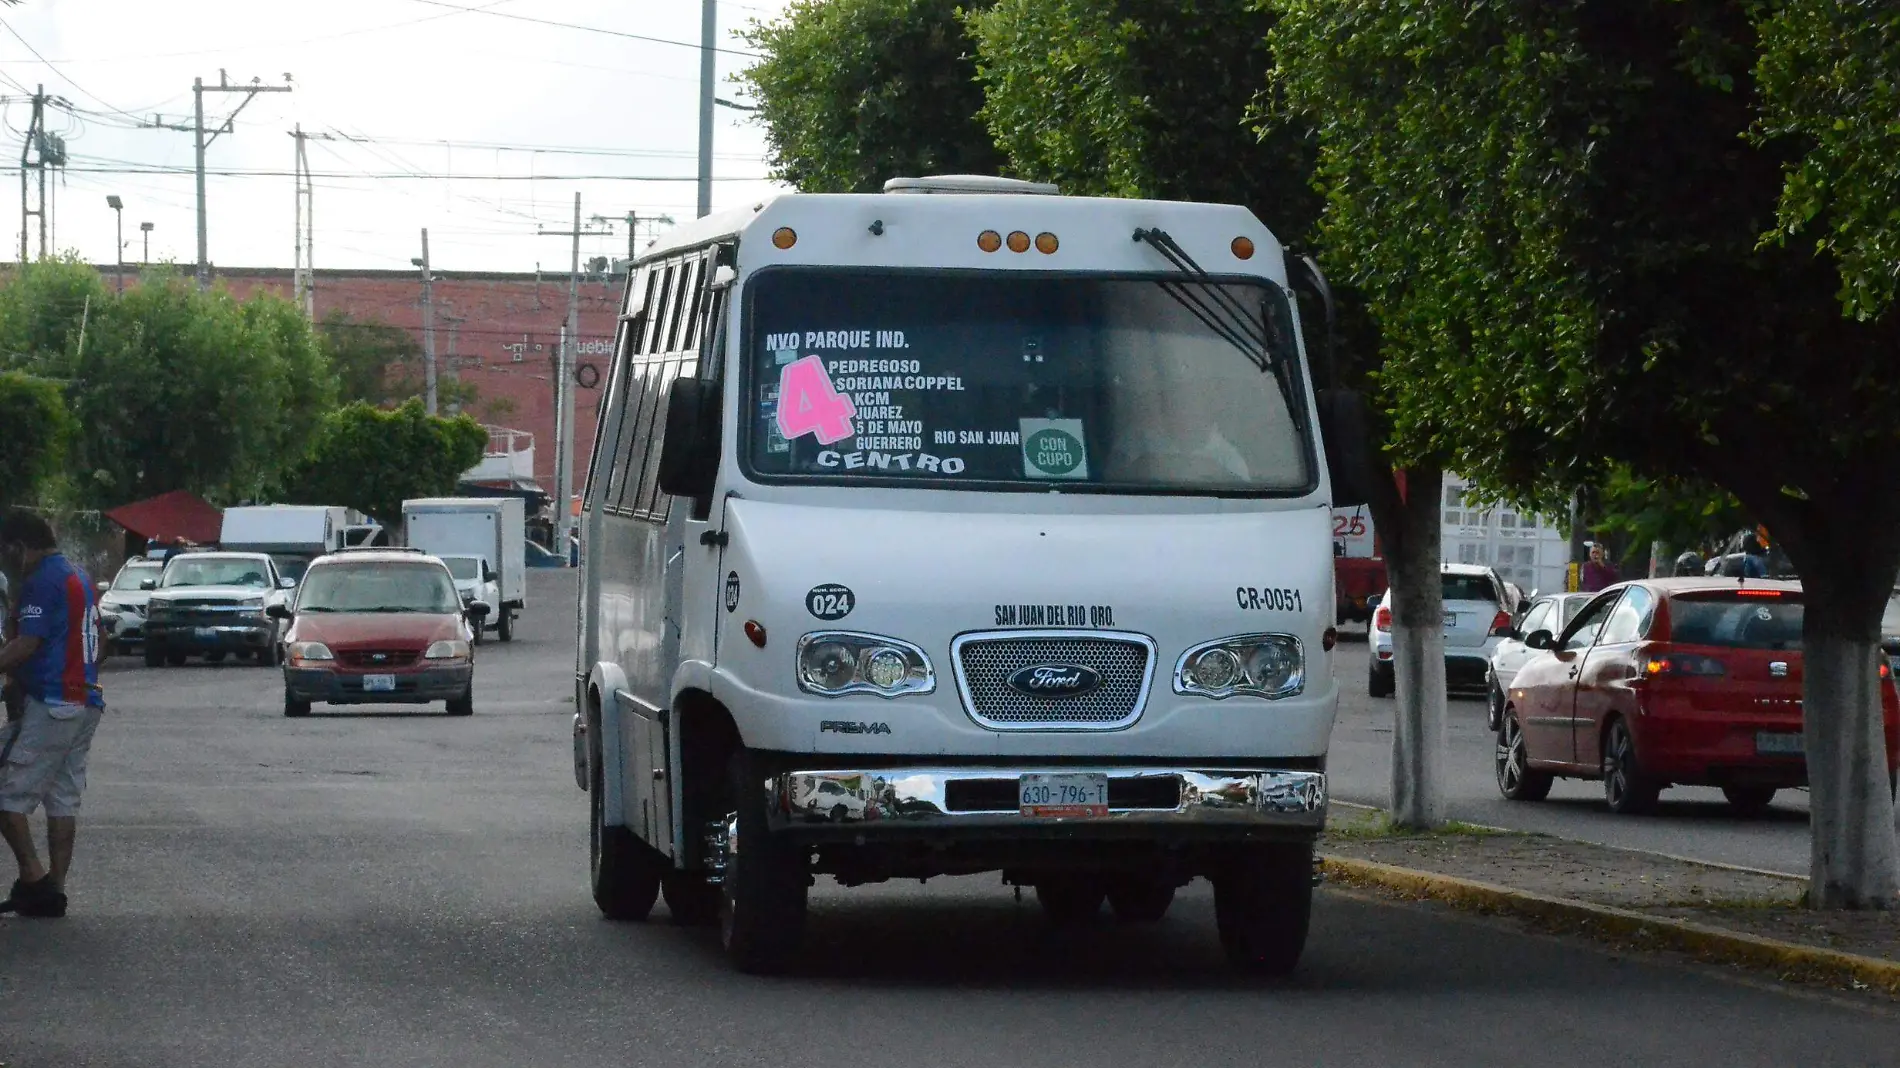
(373, 459)
(1143, 98)
(33, 411)
(854, 92)
(1829, 71)
(170, 388)
(1555, 210)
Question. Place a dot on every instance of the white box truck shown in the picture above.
(493, 528)
(293, 534)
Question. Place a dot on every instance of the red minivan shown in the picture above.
(1668, 682)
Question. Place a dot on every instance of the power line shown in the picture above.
(55, 69)
(589, 29)
(551, 150)
(380, 176)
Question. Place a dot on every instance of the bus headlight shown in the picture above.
(1257, 665)
(834, 663)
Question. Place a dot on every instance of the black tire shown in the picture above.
(1070, 898)
(214, 657)
(505, 627)
(1263, 904)
(1494, 712)
(175, 659)
(1749, 800)
(762, 900)
(465, 704)
(1627, 788)
(1139, 900)
(1379, 678)
(293, 707)
(623, 872)
(154, 656)
(839, 813)
(690, 898)
(1517, 780)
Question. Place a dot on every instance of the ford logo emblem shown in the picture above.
(1054, 680)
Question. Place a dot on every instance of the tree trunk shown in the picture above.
(1418, 653)
(1847, 570)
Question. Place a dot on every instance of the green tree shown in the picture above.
(853, 92)
(367, 355)
(373, 459)
(33, 411)
(1143, 98)
(1557, 217)
(170, 388)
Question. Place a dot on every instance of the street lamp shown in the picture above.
(118, 248)
(146, 257)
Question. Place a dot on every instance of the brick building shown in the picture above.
(496, 331)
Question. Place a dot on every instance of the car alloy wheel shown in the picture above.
(1517, 780)
(1626, 787)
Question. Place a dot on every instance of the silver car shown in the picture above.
(1476, 620)
(1551, 612)
(124, 599)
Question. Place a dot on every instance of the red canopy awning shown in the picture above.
(168, 516)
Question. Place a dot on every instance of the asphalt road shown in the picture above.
(408, 889)
(1691, 821)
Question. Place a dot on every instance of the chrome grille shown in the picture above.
(985, 661)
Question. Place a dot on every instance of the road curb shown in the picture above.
(1788, 960)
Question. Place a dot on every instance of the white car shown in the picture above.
(1551, 612)
(123, 598)
(1477, 617)
(475, 581)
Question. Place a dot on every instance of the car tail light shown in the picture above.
(1682, 665)
(1886, 668)
(1382, 619)
(1744, 592)
(1501, 623)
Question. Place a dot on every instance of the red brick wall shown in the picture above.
(499, 332)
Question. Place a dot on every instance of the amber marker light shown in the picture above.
(1018, 241)
(755, 632)
(1243, 248)
(1047, 244)
(989, 241)
(784, 237)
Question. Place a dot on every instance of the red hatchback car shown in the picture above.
(379, 626)
(1668, 682)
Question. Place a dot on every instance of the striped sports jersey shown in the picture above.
(58, 607)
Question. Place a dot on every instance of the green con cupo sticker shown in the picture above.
(1053, 448)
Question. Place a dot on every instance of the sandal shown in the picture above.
(41, 899)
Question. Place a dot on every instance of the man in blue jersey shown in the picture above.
(53, 657)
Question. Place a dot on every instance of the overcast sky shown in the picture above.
(409, 74)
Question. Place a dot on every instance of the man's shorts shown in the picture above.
(44, 760)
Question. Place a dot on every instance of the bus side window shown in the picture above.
(639, 436)
(597, 493)
(693, 330)
(631, 390)
(656, 503)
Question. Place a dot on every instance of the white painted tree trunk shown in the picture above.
(1852, 855)
(1418, 657)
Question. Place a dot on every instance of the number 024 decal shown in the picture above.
(830, 601)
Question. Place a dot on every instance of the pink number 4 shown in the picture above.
(809, 404)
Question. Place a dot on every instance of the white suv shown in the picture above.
(1476, 620)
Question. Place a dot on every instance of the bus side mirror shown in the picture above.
(1345, 428)
(689, 455)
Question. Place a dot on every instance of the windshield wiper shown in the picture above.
(1223, 313)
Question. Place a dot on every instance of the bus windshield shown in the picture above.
(1011, 380)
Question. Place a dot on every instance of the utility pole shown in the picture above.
(708, 41)
(305, 284)
(202, 139)
(564, 380)
(146, 257)
(428, 327)
(39, 151)
(118, 252)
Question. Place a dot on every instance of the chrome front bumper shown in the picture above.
(955, 798)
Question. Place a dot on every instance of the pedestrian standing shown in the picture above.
(1597, 572)
(54, 659)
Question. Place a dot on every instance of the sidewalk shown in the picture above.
(1734, 915)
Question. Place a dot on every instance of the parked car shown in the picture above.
(1661, 682)
(1476, 619)
(126, 600)
(474, 581)
(1550, 612)
(213, 604)
(379, 626)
